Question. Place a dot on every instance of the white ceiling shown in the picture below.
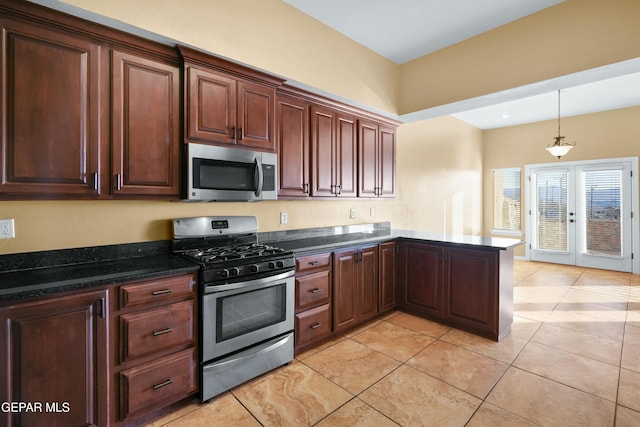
(402, 30)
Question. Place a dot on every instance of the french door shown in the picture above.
(581, 214)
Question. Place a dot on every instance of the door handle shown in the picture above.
(259, 177)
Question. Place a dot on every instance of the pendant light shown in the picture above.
(559, 148)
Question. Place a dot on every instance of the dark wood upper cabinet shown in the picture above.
(226, 103)
(293, 146)
(333, 153)
(50, 112)
(211, 106)
(377, 160)
(87, 112)
(145, 126)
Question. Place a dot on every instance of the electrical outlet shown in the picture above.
(7, 230)
(372, 212)
(283, 217)
(352, 213)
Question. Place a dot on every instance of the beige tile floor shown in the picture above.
(573, 358)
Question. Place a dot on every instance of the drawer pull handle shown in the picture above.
(315, 325)
(162, 292)
(315, 290)
(162, 332)
(314, 262)
(169, 381)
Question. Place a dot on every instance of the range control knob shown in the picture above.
(272, 265)
(255, 268)
(235, 271)
(280, 264)
(224, 273)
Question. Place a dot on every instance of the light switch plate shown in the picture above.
(352, 213)
(283, 217)
(7, 230)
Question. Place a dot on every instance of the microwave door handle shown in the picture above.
(259, 177)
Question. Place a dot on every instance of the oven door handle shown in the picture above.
(258, 177)
(249, 283)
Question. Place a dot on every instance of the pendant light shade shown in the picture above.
(559, 148)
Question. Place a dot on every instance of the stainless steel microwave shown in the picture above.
(217, 173)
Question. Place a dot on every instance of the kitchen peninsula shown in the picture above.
(345, 275)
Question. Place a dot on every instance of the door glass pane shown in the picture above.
(551, 198)
(603, 204)
(240, 314)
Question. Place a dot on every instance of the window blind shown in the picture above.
(603, 204)
(506, 199)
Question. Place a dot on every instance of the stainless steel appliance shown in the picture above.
(246, 300)
(229, 174)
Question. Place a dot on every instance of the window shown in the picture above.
(506, 200)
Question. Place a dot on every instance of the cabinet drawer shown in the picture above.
(312, 262)
(158, 329)
(312, 289)
(151, 291)
(313, 324)
(157, 383)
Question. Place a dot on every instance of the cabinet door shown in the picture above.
(145, 126)
(346, 156)
(345, 290)
(51, 113)
(387, 276)
(368, 159)
(54, 351)
(256, 118)
(387, 162)
(293, 147)
(470, 291)
(422, 277)
(211, 106)
(322, 151)
(367, 283)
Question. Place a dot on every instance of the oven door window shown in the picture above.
(223, 175)
(245, 312)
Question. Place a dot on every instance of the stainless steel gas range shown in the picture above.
(246, 301)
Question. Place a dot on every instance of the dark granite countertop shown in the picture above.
(21, 279)
(333, 238)
(37, 274)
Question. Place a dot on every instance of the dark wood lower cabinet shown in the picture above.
(54, 356)
(387, 273)
(355, 286)
(422, 277)
(153, 346)
(467, 288)
(470, 289)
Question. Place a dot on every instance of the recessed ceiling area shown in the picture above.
(403, 30)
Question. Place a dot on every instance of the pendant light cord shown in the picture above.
(558, 112)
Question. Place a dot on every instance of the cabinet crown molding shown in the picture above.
(204, 59)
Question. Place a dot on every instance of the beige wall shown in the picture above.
(603, 135)
(574, 36)
(266, 34)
